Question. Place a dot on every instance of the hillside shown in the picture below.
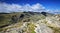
(8, 18)
(29, 22)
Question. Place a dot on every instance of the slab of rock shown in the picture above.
(53, 22)
(42, 28)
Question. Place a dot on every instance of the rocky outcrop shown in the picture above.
(46, 25)
(42, 28)
(53, 22)
(44, 13)
(14, 19)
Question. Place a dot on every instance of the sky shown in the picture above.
(29, 5)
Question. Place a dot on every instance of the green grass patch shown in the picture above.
(31, 28)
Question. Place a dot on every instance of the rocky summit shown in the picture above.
(29, 22)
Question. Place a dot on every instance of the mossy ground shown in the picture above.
(31, 28)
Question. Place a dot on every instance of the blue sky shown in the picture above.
(48, 4)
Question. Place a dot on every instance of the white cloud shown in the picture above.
(4, 7)
(56, 11)
(37, 6)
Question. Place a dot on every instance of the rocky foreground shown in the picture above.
(47, 25)
(29, 22)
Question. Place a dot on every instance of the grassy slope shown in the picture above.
(32, 16)
(5, 18)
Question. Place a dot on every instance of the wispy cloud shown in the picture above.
(4, 7)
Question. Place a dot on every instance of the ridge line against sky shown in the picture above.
(29, 5)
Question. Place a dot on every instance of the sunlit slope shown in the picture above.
(18, 19)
